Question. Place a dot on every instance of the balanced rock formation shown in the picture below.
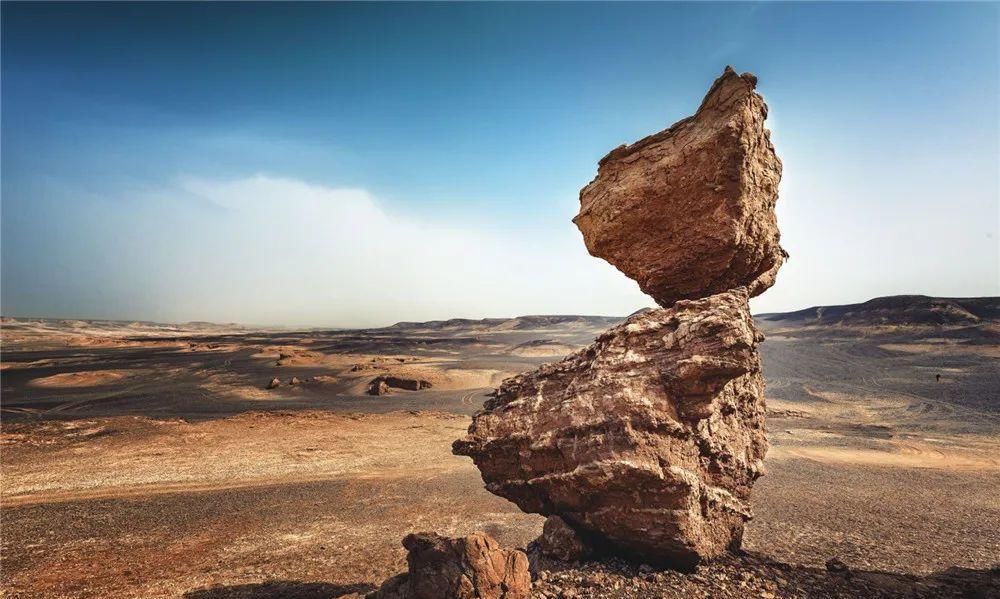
(647, 443)
(471, 567)
(689, 211)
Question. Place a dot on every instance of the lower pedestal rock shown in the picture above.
(647, 442)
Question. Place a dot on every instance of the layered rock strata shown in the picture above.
(470, 567)
(689, 211)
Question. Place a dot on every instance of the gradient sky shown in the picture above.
(360, 164)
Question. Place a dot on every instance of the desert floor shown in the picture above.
(142, 460)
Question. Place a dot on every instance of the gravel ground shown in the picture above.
(752, 575)
(185, 478)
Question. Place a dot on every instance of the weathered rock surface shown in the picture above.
(647, 442)
(689, 211)
(559, 541)
(380, 385)
(471, 567)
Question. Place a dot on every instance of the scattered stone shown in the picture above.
(471, 567)
(294, 381)
(380, 385)
(834, 565)
(274, 383)
(560, 541)
(689, 211)
(745, 575)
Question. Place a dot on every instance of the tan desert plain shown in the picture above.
(687, 451)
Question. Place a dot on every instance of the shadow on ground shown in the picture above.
(280, 589)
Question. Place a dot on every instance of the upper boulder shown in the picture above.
(689, 212)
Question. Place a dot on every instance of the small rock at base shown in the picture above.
(560, 541)
(470, 567)
(689, 212)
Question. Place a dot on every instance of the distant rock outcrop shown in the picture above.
(897, 310)
(541, 348)
(380, 385)
(689, 211)
(647, 443)
(560, 541)
(471, 567)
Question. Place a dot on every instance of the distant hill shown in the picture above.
(891, 310)
(511, 324)
(896, 310)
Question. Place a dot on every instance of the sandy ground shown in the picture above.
(234, 501)
(186, 477)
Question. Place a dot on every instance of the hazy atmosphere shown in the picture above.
(555, 300)
(356, 165)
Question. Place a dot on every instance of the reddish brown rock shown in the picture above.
(471, 567)
(560, 541)
(689, 212)
(648, 441)
(380, 385)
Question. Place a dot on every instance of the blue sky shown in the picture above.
(359, 164)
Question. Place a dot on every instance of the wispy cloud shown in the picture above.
(276, 250)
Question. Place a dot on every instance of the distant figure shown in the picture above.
(937, 377)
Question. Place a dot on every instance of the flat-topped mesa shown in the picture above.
(689, 212)
(647, 442)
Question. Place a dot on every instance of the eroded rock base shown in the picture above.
(647, 441)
